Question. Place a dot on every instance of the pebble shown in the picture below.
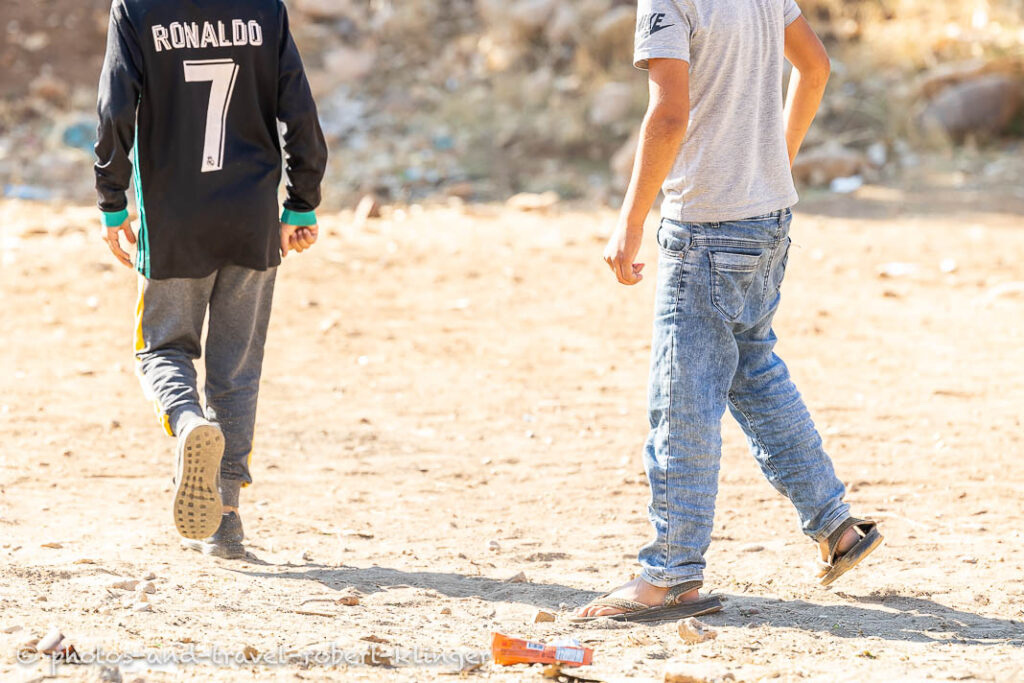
(541, 617)
(150, 575)
(146, 587)
(124, 584)
(518, 578)
(693, 631)
(493, 546)
(142, 607)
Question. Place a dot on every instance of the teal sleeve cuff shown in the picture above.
(300, 218)
(114, 220)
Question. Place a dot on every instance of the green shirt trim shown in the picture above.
(299, 218)
(114, 219)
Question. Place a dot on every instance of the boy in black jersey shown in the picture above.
(190, 99)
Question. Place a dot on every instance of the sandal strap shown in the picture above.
(678, 590)
(619, 603)
(863, 527)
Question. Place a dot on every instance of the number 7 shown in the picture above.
(221, 74)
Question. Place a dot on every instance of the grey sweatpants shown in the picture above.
(168, 333)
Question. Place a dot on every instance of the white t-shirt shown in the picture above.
(733, 162)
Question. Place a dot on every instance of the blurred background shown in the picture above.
(482, 99)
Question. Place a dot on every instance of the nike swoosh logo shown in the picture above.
(655, 29)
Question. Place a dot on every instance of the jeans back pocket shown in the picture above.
(732, 274)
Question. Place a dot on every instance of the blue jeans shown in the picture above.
(718, 290)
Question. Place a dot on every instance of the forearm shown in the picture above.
(660, 137)
(802, 102)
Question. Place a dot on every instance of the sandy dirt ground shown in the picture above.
(453, 396)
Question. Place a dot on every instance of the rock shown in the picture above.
(564, 26)
(612, 33)
(446, 611)
(123, 584)
(986, 105)
(149, 576)
(325, 10)
(528, 201)
(493, 546)
(846, 184)
(27, 649)
(307, 556)
(367, 208)
(142, 607)
(821, 165)
(346, 64)
(146, 587)
(622, 162)
(50, 643)
(693, 631)
(250, 654)
(139, 597)
(896, 269)
(51, 545)
(751, 548)
(109, 674)
(349, 598)
(50, 88)
(611, 103)
(517, 20)
(518, 578)
(543, 617)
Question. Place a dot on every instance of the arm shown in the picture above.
(119, 89)
(304, 146)
(663, 130)
(811, 70)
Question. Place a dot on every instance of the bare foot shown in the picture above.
(636, 590)
(849, 539)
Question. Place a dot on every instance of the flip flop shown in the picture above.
(670, 608)
(838, 564)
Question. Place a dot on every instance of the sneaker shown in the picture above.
(197, 503)
(226, 542)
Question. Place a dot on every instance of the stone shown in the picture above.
(611, 103)
(518, 578)
(146, 587)
(124, 584)
(368, 207)
(612, 33)
(325, 10)
(693, 631)
(622, 162)
(528, 201)
(542, 617)
(821, 165)
(983, 105)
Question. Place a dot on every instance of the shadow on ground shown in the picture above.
(897, 617)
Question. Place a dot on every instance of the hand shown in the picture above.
(297, 238)
(621, 251)
(113, 240)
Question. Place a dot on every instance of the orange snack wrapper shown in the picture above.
(507, 650)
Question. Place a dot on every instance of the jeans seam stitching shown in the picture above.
(760, 441)
(677, 290)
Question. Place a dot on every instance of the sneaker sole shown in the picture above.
(197, 503)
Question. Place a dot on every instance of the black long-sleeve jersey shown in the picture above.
(192, 92)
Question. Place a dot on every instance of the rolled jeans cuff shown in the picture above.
(668, 582)
(837, 518)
